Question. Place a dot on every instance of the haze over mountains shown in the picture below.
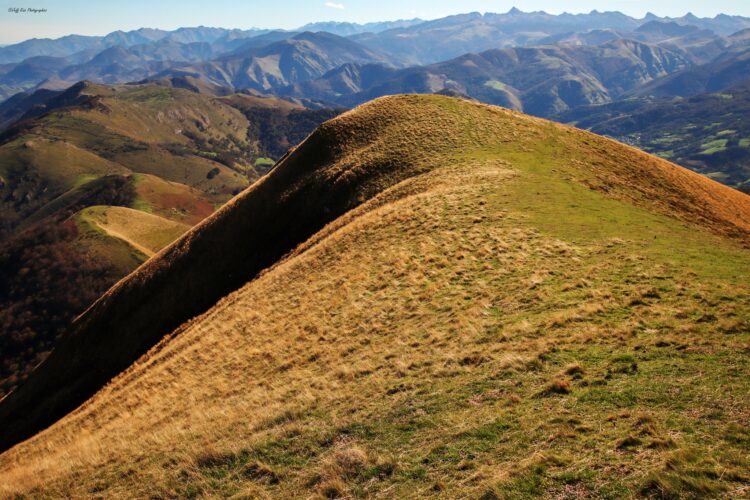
(148, 51)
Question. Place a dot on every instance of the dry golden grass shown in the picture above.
(145, 232)
(171, 200)
(401, 351)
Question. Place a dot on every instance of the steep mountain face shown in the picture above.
(426, 294)
(302, 57)
(708, 133)
(96, 179)
(277, 124)
(344, 81)
(538, 80)
(730, 69)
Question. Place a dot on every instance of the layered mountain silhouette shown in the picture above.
(127, 56)
(302, 57)
(539, 80)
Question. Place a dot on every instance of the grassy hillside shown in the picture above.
(96, 179)
(175, 134)
(276, 125)
(73, 249)
(210, 144)
(708, 133)
(145, 233)
(471, 302)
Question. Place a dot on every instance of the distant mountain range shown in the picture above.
(126, 56)
(348, 29)
(539, 80)
(299, 58)
(445, 38)
(543, 64)
(708, 133)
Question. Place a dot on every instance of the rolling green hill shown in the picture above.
(175, 134)
(428, 296)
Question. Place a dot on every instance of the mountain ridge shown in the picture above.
(514, 309)
(79, 162)
(159, 288)
(540, 80)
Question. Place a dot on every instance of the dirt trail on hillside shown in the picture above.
(110, 232)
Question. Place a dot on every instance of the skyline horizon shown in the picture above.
(332, 17)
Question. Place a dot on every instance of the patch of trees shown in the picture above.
(48, 279)
(277, 132)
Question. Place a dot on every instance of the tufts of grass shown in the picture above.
(557, 386)
(686, 474)
(418, 326)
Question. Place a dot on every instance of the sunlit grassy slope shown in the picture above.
(511, 308)
(146, 233)
(175, 134)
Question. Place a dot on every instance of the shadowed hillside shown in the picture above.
(430, 295)
(95, 179)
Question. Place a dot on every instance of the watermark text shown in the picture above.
(26, 10)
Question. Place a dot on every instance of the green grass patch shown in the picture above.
(715, 146)
(264, 162)
(496, 85)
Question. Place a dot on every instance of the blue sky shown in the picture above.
(103, 16)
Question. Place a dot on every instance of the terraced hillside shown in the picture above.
(427, 297)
